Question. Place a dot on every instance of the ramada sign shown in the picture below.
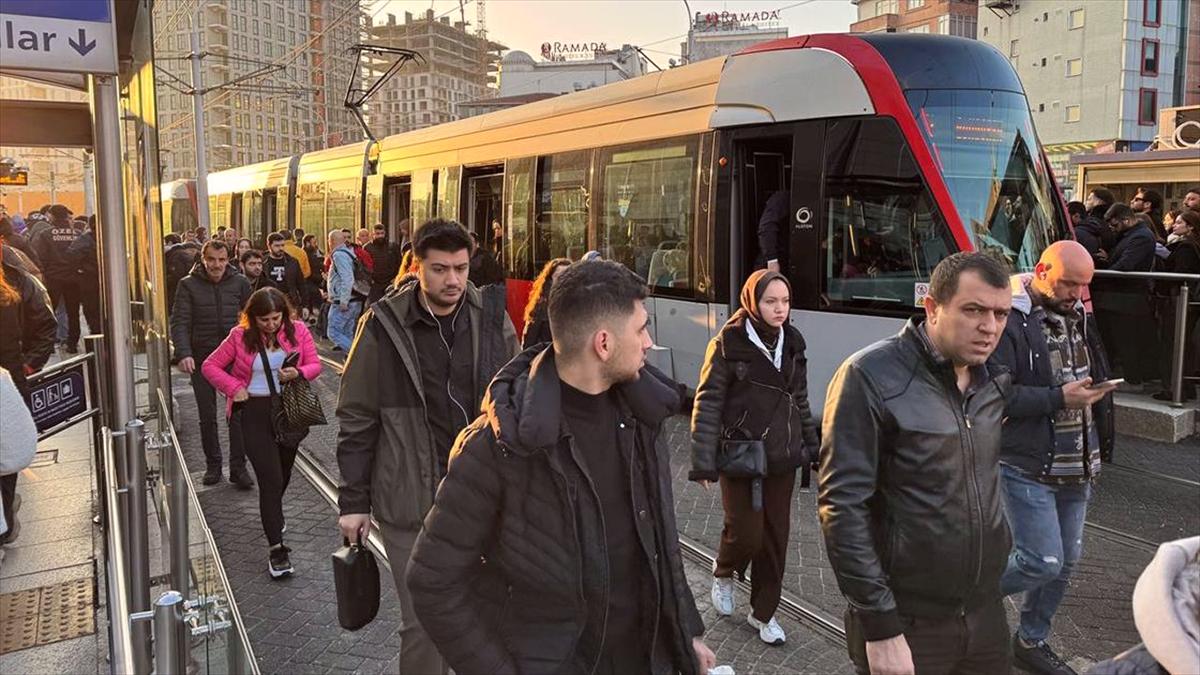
(562, 51)
(734, 20)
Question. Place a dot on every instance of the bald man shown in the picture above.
(1050, 443)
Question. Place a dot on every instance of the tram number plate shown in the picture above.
(57, 398)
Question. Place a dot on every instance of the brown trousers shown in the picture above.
(758, 538)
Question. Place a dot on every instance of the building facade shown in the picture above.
(1095, 73)
(724, 33)
(293, 110)
(942, 17)
(459, 67)
(56, 175)
(562, 72)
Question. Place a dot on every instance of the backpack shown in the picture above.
(362, 278)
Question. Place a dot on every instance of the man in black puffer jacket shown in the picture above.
(52, 244)
(1093, 232)
(208, 303)
(563, 491)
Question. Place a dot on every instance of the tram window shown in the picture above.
(312, 208)
(341, 209)
(883, 233)
(560, 226)
(517, 243)
(646, 214)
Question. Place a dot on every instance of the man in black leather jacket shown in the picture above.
(910, 501)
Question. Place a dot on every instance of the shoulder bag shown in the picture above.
(283, 431)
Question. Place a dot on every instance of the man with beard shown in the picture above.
(414, 378)
(562, 488)
(281, 270)
(1050, 443)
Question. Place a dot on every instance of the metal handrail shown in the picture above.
(118, 580)
(1164, 276)
(65, 364)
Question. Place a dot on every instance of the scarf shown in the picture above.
(767, 338)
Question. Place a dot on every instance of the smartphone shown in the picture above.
(1107, 383)
(291, 360)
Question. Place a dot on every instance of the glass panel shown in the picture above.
(884, 234)
(341, 208)
(562, 207)
(448, 193)
(984, 144)
(518, 214)
(311, 207)
(646, 212)
(422, 196)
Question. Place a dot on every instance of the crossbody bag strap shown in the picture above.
(262, 354)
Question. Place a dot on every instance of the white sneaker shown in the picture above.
(722, 595)
(768, 632)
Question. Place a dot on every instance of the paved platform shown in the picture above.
(48, 609)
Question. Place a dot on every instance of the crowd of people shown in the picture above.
(520, 488)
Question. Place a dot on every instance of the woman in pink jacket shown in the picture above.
(266, 332)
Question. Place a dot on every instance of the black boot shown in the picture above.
(1039, 659)
(212, 476)
(241, 478)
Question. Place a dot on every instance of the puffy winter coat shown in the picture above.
(27, 326)
(518, 494)
(231, 366)
(204, 312)
(741, 389)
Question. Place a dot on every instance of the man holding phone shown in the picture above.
(1050, 441)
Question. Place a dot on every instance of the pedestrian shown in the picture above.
(1150, 203)
(773, 231)
(537, 318)
(1077, 212)
(281, 270)
(407, 272)
(251, 267)
(1184, 258)
(754, 385)
(10, 237)
(1094, 232)
(84, 253)
(415, 378)
(562, 487)
(1191, 199)
(230, 237)
(1050, 442)
(344, 306)
(208, 304)
(26, 343)
(386, 255)
(267, 349)
(179, 258)
(201, 235)
(315, 279)
(292, 248)
(52, 244)
(910, 500)
(243, 245)
(359, 247)
(404, 233)
(18, 444)
(485, 269)
(1123, 306)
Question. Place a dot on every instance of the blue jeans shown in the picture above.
(342, 323)
(1047, 529)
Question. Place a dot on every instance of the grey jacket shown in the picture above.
(385, 448)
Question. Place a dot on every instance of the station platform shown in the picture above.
(1141, 500)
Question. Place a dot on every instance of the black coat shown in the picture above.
(1133, 250)
(84, 254)
(537, 331)
(1094, 233)
(741, 389)
(27, 327)
(204, 312)
(52, 241)
(518, 495)
(386, 255)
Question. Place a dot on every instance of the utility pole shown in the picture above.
(198, 126)
(89, 185)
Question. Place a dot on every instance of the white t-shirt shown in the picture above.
(258, 379)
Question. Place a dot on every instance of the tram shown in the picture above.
(891, 151)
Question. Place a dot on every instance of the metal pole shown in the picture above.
(92, 346)
(170, 657)
(106, 129)
(198, 126)
(180, 555)
(89, 183)
(139, 548)
(1177, 358)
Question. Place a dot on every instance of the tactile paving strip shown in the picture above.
(40, 616)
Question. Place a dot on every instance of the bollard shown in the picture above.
(1178, 358)
(170, 635)
(139, 548)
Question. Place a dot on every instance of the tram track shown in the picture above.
(1146, 473)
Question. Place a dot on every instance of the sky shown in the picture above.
(658, 26)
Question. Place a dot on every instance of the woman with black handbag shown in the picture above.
(266, 351)
(751, 429)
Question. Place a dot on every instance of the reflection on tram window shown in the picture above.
(312, 209)
(518, 198)
(985, 146)
(341, 209)
(562, 207)
(646, 218)
(884, 235)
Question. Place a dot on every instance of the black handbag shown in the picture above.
(742, 456)
(356, 580)
(284, 433)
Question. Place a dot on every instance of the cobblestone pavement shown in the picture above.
(1094, 622)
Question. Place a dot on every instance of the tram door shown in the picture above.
(397, 206)
(485, 203)
(766, 172)
(270, 203)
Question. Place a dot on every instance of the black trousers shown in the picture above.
(757, 538)
(976, 643)
(68, 293)
(272, 462)
(8, 492)
(89, 298)
(206, 408)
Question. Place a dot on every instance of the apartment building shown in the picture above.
(942, 17)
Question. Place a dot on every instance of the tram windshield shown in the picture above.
(983, 142)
